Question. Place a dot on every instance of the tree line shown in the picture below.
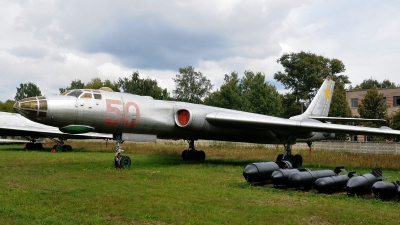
(303, 74)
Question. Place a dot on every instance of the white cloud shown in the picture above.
(52, 42)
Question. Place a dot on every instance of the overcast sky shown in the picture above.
(52, 42)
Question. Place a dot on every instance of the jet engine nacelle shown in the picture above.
(190, 119)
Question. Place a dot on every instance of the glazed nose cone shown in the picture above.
(32, 108)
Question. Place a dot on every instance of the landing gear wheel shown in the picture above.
(191, 154)
(125, 161)
(298, 161)
(38, 146)
(288, 158)
(184, 155)
(67, 148)
(29, 146)
(200, 155)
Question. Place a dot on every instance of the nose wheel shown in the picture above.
(120, 161)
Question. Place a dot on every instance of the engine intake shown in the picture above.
(183, 117)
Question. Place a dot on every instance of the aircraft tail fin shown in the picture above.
(322, 100)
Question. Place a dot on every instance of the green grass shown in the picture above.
(82, 187)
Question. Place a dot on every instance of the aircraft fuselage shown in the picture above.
(117, 113)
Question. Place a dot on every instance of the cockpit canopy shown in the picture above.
(83, 93)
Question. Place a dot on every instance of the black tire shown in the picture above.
(115, 162)
(125, 161)
(185, 155)
(67, 148)
(191, 154)
(298, 161)
(29, 146)
(38, 146)
(200, 155)
(59, 148)
(279, 158)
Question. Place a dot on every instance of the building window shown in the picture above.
(354, 102)
(396, 100)
(384, 100)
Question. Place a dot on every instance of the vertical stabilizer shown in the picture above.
(321, 102)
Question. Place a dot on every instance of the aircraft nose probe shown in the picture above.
(33, 108)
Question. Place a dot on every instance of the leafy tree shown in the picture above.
(373, 106)
(259, 96)
(7, 106)
(372, 82)
(26, 90)
(251, 93)
(145, 87)
(339, 106)
(96, 83)
(229, 96)
(304, 73)
(395, 121)
(191, 86)
(290, 106)
(75, 84)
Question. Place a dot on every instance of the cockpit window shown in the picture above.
(97, 96)
(86, 95)
(75, 93)
(65, 93)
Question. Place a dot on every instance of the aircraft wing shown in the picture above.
(294, 126)
(12, 124)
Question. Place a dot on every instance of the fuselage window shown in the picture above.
(75, 93)
(97, 96)
(86, 95)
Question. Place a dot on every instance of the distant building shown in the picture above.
(390, 95)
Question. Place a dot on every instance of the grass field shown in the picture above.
(82, 187)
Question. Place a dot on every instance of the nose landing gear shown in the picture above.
(120, 161)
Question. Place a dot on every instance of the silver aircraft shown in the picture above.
(13, 124)
(141, 118)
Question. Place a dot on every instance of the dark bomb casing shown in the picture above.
(361, 184)
(332, 183)
(308, 178)
(281, 176)
(259, 172)
(384, 190)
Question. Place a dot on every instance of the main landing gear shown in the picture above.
(120, 161)
(192, 154)
(288, 160)
(60, 146)
(32, 145)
